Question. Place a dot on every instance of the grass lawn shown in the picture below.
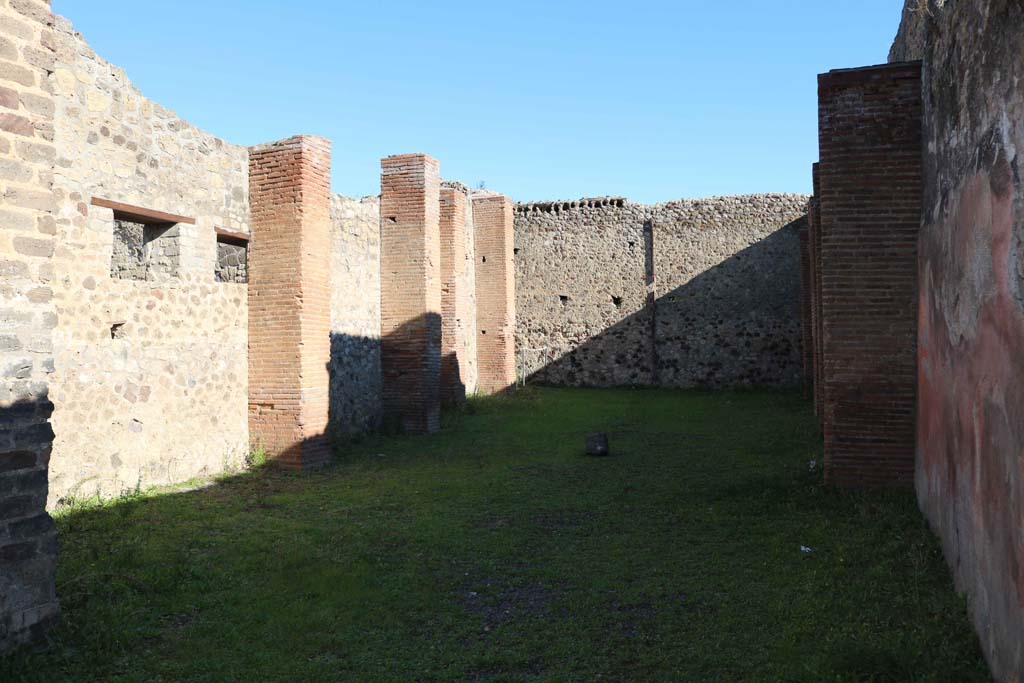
(495, 551)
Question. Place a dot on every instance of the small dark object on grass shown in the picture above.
(597, 444)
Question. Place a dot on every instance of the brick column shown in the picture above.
(454, 298)
(495, 293)
(28, 540)
(289, 299)
(410, 292)
(870, 194)
(806, 325)
(814, 249)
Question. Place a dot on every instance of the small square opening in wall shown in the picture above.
(145, 251)
(232, 259)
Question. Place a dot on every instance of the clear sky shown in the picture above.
(539, 99)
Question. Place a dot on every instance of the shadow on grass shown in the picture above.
(495, 551)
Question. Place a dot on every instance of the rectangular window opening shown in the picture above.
(145, 251)
(232, 258)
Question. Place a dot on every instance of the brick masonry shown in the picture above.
(814, 251)
(806, 285)
(411, 292)
(493, 224)
(290, 300)
(458, 298)
(870, 198)
(28, 544)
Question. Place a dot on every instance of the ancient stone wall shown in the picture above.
(28, 544)
(232, 263)
(970, 432)
(683, 294)
(909, 44)
(142, 365)
(355, 315)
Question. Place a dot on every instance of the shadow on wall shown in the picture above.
(357, 400)
(28, 539)
(736, 324)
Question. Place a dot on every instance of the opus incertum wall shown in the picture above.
(143, 362)
(691, 293)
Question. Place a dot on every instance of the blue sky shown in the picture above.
(652, 100)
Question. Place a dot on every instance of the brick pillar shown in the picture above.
(814, 249)
(410, 292)
(870, 193)
(28, 539)
(806, 325)
(454, 298)
(289, 299)
(495, 293)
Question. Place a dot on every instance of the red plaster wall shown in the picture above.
(970, 431)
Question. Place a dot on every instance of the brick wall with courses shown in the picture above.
(493, 224)
(142, 367)
(870, 194)
(28, 544)
(683, 294)
(411, 292)
(290, 300)
(459, 369)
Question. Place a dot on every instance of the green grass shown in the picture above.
(495, 551)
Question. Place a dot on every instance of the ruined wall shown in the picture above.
(683, 294)
(28, 543)
(410, 272)
(142, 366)
(869, 178)
(459, 368)
(970, 434)
(910, 40)
(494, 223)
(355, 401)
(727, 277)
(290, 300)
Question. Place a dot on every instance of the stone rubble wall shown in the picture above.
(692, 293)
(970, 412)
(232, 263)
(142, 367)
(355, 404)
(28, 539)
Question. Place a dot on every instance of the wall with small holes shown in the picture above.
(690, 293)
